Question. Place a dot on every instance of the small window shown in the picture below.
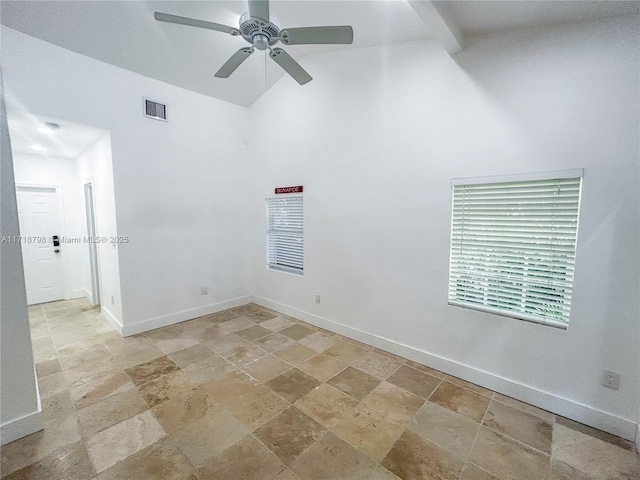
(513, 246)
(285, 243)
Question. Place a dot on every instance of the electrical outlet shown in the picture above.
(611, 380)
(317, 298)
(204, 290)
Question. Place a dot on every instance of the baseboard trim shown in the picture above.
(88, 295)
(318, 321)
(21, 427)
(172, 318)
(579, 412)
(111, 318)
(551, 402)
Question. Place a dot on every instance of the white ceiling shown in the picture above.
(124, 33)
(491, 16)
(69, 141)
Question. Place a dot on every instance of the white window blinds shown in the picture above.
(285, 243)
(513, 248)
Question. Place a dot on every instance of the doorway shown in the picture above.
(40, 227)
(93, 249)
(66, 202)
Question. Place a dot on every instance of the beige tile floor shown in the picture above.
(250, 394)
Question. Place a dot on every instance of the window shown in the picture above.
(285, 244)
(513, 246)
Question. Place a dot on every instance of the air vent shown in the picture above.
(155, 110)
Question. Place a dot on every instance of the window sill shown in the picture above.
(509, 314)
(290, 271)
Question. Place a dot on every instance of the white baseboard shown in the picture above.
(172, 318)
(579, 412)
(115, 323)
(21, 427)
(88, 295)
(77, 294)
(554, 403)
(318, 321)
(27, 424)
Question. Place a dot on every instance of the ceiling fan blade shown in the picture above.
(290, 66)
(192, 22)
(259, 8)
(317, 35)
(234, 62)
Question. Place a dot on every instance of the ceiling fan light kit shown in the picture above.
(262, 31)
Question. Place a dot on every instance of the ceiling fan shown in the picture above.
(262, 30)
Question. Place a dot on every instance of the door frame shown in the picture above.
(88, 190)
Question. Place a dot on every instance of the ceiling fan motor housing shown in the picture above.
(258, 32)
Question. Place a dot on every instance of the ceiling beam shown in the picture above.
(441, 24)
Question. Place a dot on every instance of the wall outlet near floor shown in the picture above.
(611, 380)
(317, 298)
(204, 290)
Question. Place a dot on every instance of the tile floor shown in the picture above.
(248, 394)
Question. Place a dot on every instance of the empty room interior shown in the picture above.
(320, 240)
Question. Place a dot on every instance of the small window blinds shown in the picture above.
(285, 242)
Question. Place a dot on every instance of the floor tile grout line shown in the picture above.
(252, 434)
(469, 388)
(479, 429)
(75, 410)
(384, 379)
(522, 410)
(509, 436)
(520, 442)
(469, 462)
(428, 399)
(379, 463)
(173, 444)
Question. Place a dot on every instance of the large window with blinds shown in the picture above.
(513, 245)
(285, 241)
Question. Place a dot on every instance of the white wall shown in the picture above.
(95, 166)
(38, 170)
(180, 187)
(20, 412)
(376, 138)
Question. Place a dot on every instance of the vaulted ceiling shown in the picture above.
(125, 34)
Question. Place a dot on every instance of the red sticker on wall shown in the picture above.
(297, 189)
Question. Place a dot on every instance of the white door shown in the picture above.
(43, 270)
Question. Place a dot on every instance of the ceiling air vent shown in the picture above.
(155, 110)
